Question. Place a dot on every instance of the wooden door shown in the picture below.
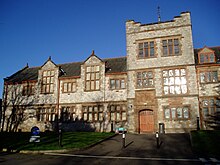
(146, 119)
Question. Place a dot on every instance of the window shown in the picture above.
(208, 77)
(176, 113)
(171, 47)
(68, 114)
(146, 50)
(92, 113)
(48, 81)
(118, 113)
(117, 84)
(144, 79)
(206, 58)
(28, 89)
(210, 106)
(69, 87)
(46, 114)
(92, 78)
(174, 81)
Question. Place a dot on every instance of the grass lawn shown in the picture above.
(49, 140)
(206, 143)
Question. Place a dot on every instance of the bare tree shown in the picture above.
(13, 108)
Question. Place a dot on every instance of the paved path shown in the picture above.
(144, 145)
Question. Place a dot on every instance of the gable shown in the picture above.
(48, 65)
(205, 50)
(92, 60)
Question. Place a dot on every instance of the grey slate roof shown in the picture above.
(113, 65)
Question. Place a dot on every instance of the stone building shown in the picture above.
(158, 84)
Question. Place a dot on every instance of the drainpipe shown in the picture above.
(198, 119)
(58, 102)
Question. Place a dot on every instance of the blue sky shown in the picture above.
(68, 30)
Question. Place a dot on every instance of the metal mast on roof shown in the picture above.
(158, 13)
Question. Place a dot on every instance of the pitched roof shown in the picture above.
(113, 65)
(216, 50)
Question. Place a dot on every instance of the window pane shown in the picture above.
(112, 116)
(69, 87)
(172, 90)
(100, 116)
(145, 83)
(87, 85)
(177, 72)
(144, 75)
(139, 83)
(117, 84)
(212, 58)
(202, 58)
(141, 54)
(74, 87)
(88, 69)
(97, 76)
(177, 90)
(183, 80)
(167, 113)
(177, 81)
(97, 68)
(118, 116)
(165, 73)
(122, 84)
(88, 76)
(139, 75)
(183, 72)
(170, 43)
(184, 89)
(92, 85)
(179, 113)
(185, 112)
(45, 73)
(171, 73)
(211, 102)
(151, 49)
(84, 116)
(112, 84)
(92, 76)
(150, 82)
(205, 112)
(173, 113)
(95, 116)
(123, 116)
(150, 74)
(205, 103)
(212, 111)
(146, 52)
(166, 81)
(90, 117)
(171, 81)
(215, 76)
(202, 77)
(166, 90)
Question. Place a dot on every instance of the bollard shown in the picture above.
(157, 139)
(60, 138)
(198, 126)
(123, 139)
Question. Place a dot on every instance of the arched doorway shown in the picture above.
(146, 121)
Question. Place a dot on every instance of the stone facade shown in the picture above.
(105, 94)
